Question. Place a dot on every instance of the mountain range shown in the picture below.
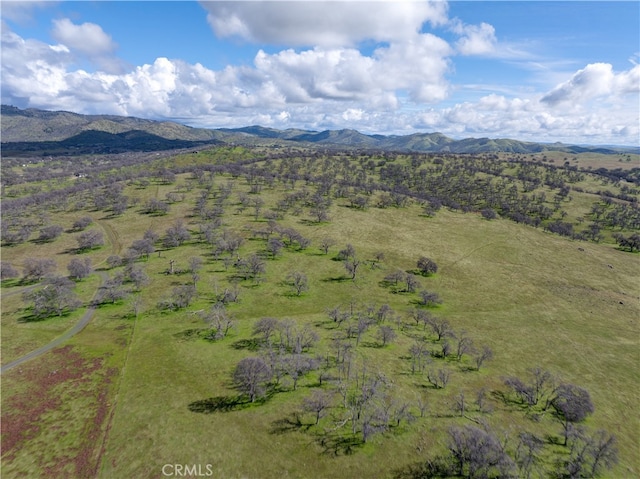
(32, 131)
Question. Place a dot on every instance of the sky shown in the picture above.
(530, 70)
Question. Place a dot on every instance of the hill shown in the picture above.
(33, 131)
(399, 302)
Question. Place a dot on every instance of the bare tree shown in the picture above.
(251, 377)
(526, 454)
(37, 268)
(427, 266)
(195, 264)
(420, 356)
(429, 298)
(155, 207)
(589, 455)
(274, 246)
(348, 253)
(7, 271)
(220, 321)
(176, 235)
(55, 298)
(318, 403)
(441, 327)
(112, 290)
(79, 268)
(181, 297)
(298, 281)
(465, 345)
(383, 313)
(252, 267)
(459, 403)
(386, 334)
(81, 223)
(49, 233)
(530, 393)
(143, 247)
(297, 365)
(137, 276)
(445, 348)
(478, 454)
(481, 401)
(395, 277)
(265, 327)
(304, 338)
(362, 326)
(572, 404)
(602, 451)
(352, 265)
(411, 283)
(483, 355)
(439, 378)
(151, 235)
(113, 261)
(89, 239)
(326, 243)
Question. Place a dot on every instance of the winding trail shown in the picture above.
(112, 234)
(79, 326)
(116, 247)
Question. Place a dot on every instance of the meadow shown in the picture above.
(145, 385)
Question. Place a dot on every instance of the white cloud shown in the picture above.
(89, 41)
(87, 38)
(322, 23)
(596, 80)
(22, 11)
(418, 65)
(475, 39)
(396, 89)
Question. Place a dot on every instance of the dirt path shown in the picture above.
(112, 234)
(20, 291)
(79, 326)
(116, 396)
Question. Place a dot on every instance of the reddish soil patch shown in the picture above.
(62, 374)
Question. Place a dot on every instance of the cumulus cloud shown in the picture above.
(322, 23)
(22, 11)
(596, 80)
(89, 41)
(87, 38)
(397, 88)
(475, 39)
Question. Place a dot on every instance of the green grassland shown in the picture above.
(144, 386)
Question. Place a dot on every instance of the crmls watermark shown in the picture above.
(187, 470)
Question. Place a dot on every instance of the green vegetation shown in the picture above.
(324, 314)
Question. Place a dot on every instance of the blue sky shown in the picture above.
(539, 71)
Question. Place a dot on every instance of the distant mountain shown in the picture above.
(421, 142)
(33, 131)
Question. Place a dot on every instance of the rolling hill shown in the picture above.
(33, 131)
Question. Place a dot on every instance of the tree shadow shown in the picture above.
(420, 304)
(291, 423)
(219, 404)
(338, 279)
(32, 318)
(338, 445)
(553, 439)
(190, 334)
(10, 283)
(438, 467)
(251, 344)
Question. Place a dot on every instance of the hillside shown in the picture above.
(36, 132)
(391, 303)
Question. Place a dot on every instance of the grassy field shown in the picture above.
(128, 396)
(594, 161)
